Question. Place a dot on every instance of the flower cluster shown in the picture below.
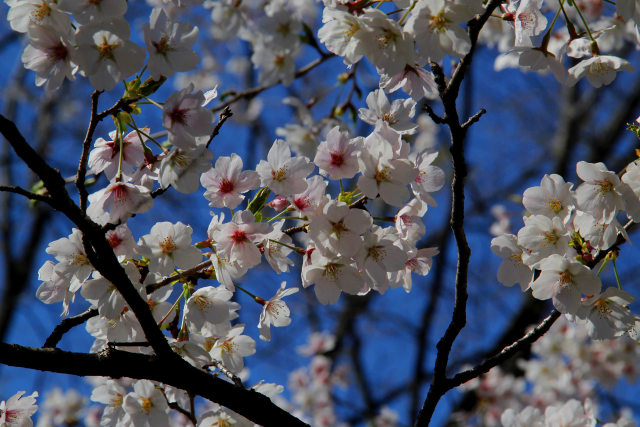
(354, 204)
(567, 230)
(559, 381)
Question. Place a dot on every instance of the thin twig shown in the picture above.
(506, 352)
(233, 377)
(26, 193)
(129, 344)
(250, 93)
(436, 118)
(226, 113)
(66, 325)
(473, 119)
(186, 273)
(86, 146)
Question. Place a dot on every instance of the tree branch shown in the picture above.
(250, 93)
(86, 146)
(66, 325)
(174, 372)
(448, 95)
(506, 352)
(26, 193)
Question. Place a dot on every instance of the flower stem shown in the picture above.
(615, 271)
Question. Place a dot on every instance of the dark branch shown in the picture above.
(474, 119)
(226, 113)
(449, 94)
(86, 146)
(250, 93)
(171, 371)
(506, 352)
(66, 325)
(26, 193)
(186, 273)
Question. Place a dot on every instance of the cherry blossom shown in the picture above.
(118, 201)
(383, 173)
(50, 55)
(598, 70)
(146, 406)
(86, 11)
(275, 312)
(105, 156)
(435, 26)
(17, 411)
(337, 157)
(105, 53)
(27, 13)
(396, 114)
(209, 310)
(185, 117)
(231, 349)
(512, 269)
(169, 45)
(168, 245)
(104, 295)
(236, 240)
(111, 394)
(282, 173)
(331, 275)
(338, 229)
(607, 314)
(564, 281)
(552, 198)
(226, 182)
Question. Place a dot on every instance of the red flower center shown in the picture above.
(239, 236)
(337, 159)
(226, 186)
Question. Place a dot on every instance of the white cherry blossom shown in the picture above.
(236, 240)
(599, 70)
(118, 201)
(338, 229)
(607, 314)
(168, 245)
(337, 157)
(146, 405)
(105, 53)
(275, 312)
(282, 173)
(233, 348)
(226, 182)
(331, 275)
(17, 411)
(50, 54)
(105, 156)
(169, 45)
(564, 281)
(552, 198)
(185, 117)
(86, 11)
(209, 310)
(512, 270)
(397, 114)
(104, 295)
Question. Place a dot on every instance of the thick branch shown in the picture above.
(174, 371)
